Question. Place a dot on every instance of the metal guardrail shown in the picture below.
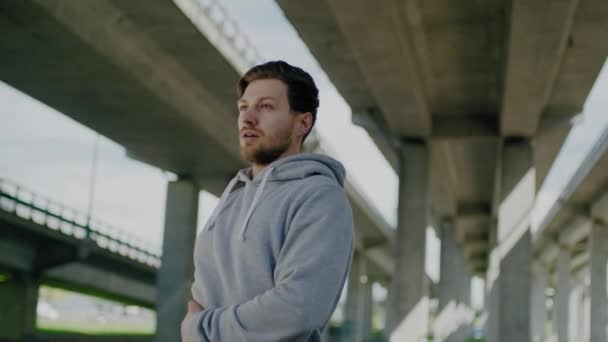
(230, 29)
(53, 215)
(222, 30)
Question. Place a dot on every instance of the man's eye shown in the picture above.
(242, 108)
(266, 106)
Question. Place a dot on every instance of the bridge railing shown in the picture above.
(223, 31)
(51, 214)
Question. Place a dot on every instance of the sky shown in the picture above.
(52, 155)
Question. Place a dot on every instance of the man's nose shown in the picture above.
(249, 117)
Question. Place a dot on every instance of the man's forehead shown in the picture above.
(264, 89)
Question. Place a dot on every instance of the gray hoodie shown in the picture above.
(272, 259)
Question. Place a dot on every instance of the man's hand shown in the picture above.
(193, 307)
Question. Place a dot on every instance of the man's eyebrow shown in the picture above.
(242, 100)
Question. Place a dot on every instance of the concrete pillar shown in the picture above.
(450, 273)
(465, 281)
(454, 278)
(176, 272)
(539, 301)
(598, 251)
(586, 318)
(367, 311)
(510, 274)
(19, 298)
(408, 286)
(357, 311)
(491, 306)
(577, 314)
(514, 292)
(562, 294)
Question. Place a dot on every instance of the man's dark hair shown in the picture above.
(302, 93)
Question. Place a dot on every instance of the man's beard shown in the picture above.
(265, 155)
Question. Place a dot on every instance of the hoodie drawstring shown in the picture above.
(216, 211)
(256, 198)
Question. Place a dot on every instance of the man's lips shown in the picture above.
(249, 134)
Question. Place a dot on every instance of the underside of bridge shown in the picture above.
(462, 78)
(470, 103)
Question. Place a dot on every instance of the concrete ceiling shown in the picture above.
(463, 76)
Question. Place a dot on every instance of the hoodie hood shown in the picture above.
(290, 168)
(297, 167)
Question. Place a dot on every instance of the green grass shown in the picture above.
(93, 328)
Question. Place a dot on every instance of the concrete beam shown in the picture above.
(579, 261)
(83, 278)
(538, 31)
(599, 209)
(389, 49)
(16, 253)
(468, 209)
(577, 230)
(549, 254)
(382, 259)
(482, 127)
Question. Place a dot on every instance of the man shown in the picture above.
(272, 259)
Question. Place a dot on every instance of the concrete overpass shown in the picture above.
(470, 103)
(44, 242)
(147, 78)
(571, 253)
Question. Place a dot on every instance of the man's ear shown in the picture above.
(304, 123)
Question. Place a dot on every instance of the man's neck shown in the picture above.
(257, 168)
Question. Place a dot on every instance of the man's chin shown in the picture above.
(262, 156)
(247, 154)
(250, 154)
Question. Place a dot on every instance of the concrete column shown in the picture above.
(539, 300)
(598, 250)
(464, 295)
(450, 273)
(357, 311)
(19, 298)
(491, 306)
(510, 274)
(514, 292)
(562, 294)
(454, 278)
(176, 272)
(576, 318)
(408, 287)
(367, 311)
(586, 318)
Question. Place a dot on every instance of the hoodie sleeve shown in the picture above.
(309, 276)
